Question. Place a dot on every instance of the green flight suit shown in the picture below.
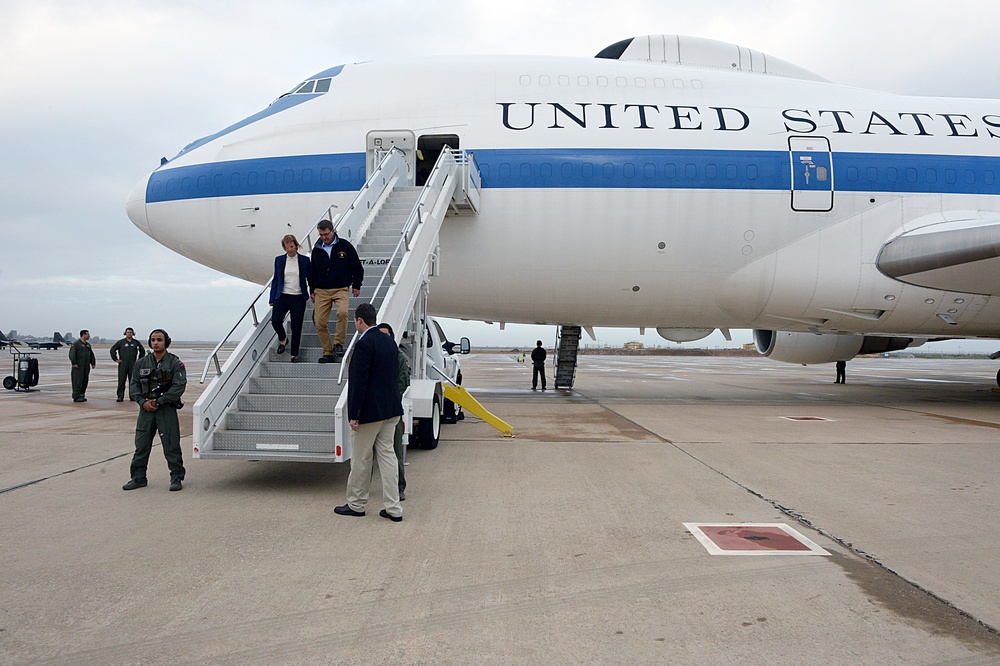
(81, 356)
(164, 380)
(397, 438)
(128, 352)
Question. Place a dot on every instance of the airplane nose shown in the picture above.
(135, 206)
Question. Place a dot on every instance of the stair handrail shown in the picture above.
(430, 192)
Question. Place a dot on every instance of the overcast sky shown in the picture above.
(95, 92)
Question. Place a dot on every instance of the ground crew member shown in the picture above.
(125, 353)
(537, 365)
(82, 358)
(157, 384)
(403, 382)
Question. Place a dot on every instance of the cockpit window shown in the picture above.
(314, 86)
(323, 85)
(306, 87)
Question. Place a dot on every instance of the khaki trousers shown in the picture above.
(326, 299)
(374, 440)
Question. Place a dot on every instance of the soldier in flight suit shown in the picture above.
(125, 353)
(82, 358)
(157, 384)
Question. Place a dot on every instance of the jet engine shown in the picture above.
(808, 348)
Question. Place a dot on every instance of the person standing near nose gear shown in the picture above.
(158, 382)
(125, 353)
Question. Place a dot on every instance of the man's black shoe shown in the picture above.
(338, 351)
(120, 400)
(346, 510)
(386, 514)
(134, 483)
(175, 484)
(328, 359)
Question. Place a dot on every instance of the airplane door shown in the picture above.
(812, 173)
(380, 142)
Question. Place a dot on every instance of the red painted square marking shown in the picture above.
(752, 539)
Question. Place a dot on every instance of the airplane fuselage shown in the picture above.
(623, 193)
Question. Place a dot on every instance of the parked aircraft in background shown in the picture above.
(9, 339)
(671, 182)
(57, 341)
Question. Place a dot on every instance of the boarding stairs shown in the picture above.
(567, 348)
(259, 406)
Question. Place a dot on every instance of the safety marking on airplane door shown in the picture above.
(805, 418)
(752, 539)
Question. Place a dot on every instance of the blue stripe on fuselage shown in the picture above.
(592, 168)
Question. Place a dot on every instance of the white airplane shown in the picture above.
(671, 182)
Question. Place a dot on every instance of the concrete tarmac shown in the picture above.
(563, 545)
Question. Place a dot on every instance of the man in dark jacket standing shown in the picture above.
(537, 365)
(125, 353)
(334, 268)
(81, 356)
(373, 407)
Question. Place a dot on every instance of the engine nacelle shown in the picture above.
(808, 348)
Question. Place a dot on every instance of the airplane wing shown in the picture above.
(962, 255)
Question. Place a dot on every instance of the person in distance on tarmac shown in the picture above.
(125, 353)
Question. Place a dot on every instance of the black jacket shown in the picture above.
(341, 269)
(372, 380)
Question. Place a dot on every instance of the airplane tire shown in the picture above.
(9, 383)
(452, 413)
(429, 429)
(998, 377)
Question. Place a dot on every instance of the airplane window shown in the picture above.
(252, 178)
(306, 87)
(202, 182)
(821, 173)
(988, 178)
(872, 175)
(649, 171)
(525, 80)
(307, 175)
(288, 176)
(932, 175)
(852, 174)
(691, 171)
(711, 171)
(640, 83)
(325, 175)
(525, 170)
(678, 83)
(732, 171)
(582, 81)
(911, 175)
(697, 84)
(544, 80)
(545, 170)
(891, 174)
(970, 177)
(270, 178)
(567, 170)
(345, 173)
(609, 170)
(186, 183)
(234, 180)
(505, 170)
(602, 80)
(669, 171)
(621, 81)
(949, 176)
(563, 80)
(751, 172)
(628, 170)
(323, 85)
(659, 83)
(588, 170)
(218, 181)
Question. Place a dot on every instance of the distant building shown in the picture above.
(633, 345)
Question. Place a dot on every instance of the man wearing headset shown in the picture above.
(157, 384)
(125, 353)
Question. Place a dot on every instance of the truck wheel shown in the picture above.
(9, 383)
(429, 429)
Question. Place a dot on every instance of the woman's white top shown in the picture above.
(291, 286)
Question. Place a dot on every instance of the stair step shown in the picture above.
(280, 422)
(258, 440)
(266, 386)
(276, 456)
(287, 402)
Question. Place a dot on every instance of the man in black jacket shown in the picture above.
(373, 407)
(334, 268)
(537, 365)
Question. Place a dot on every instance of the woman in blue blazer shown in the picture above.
(289, 293)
